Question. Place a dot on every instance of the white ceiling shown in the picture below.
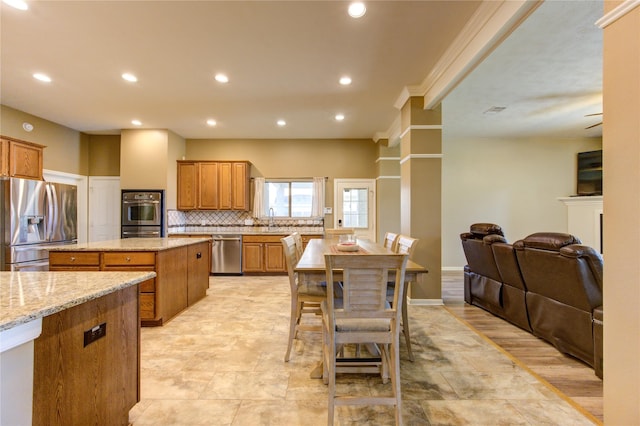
(284, 59)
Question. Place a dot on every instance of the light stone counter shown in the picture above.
(26, 296)
(131, 244)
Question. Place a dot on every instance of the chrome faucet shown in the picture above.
(271, 214)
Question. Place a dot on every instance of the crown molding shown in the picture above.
(617, 12)
(420, 127)
(416, 156)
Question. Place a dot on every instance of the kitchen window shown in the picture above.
(288, 198)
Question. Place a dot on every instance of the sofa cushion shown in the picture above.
(547, 241)
(479, 230)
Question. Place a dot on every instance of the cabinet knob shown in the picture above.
(73, 259)
(128, 259)
(198, 255)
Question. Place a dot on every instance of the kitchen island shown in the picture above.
(69, 346)
(182, 266)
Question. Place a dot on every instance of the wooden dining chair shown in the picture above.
(336, 232)
(404, 245)
(363, 316)
(299, 245)
(305, 298)
(390, 241)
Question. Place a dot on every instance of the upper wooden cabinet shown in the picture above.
(21, 159)
(213, 185)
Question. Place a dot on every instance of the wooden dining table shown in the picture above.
(311, 267)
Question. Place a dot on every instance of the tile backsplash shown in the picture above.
(220, 220)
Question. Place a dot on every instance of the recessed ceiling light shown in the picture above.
(136, 122)
(211, 122)
(42, 77)
(357, 9)
(281, 123)
(17, 4)
(345, 80)
(221, 78)
(129, 77)
(339, 117)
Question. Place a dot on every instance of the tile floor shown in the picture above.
(221, 363)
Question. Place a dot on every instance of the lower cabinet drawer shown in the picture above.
(58, 258)
(128, 258)
(147, 305)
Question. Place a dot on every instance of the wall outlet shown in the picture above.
(328, 210)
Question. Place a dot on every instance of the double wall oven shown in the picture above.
(142, 213)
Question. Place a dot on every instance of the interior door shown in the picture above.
(354, 204)
(104, 208)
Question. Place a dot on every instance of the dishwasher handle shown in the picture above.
(227, 239)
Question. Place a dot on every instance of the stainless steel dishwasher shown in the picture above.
(226, 254)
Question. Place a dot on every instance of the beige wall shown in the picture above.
(66, 149)
(514, 183)
(621, 149)
(104, 155)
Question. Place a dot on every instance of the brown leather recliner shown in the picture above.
(482, 282)
(492, 278)
(564, 286)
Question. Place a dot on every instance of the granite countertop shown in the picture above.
(131, 244)
(26, 296)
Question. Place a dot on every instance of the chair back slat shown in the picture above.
(406, 245)
(390, 241)
(364, 282)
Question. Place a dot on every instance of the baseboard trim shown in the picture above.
(425, 302)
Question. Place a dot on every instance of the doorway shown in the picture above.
(354, 203)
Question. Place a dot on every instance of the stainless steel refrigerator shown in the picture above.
(35, 215)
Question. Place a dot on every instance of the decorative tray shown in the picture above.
(350, 246)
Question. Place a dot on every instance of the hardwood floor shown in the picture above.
(569, 376)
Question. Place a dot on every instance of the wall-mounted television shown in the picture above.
(590, 173)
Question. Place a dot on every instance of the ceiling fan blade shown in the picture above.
(591, 115)
(594, 125)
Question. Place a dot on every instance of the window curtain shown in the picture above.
(258, 197)
(317, 201)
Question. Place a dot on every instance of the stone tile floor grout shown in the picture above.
(221, 362)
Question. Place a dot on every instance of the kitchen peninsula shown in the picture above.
(69, 346)
(181, 266)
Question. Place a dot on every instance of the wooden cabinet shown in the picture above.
(182, 275)
(213, 185)
(187, 185)
(21, 159)
(252, 256)
(79, 380)
(263, 254)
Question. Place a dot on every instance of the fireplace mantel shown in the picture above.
(584, 219)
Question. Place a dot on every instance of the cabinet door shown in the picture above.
(225, 181)
(240, 186)
(197, 271)
(25, 160)
(4, 155)
(252, 257)
(208, 185)
(187, 185)
(274, 257)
